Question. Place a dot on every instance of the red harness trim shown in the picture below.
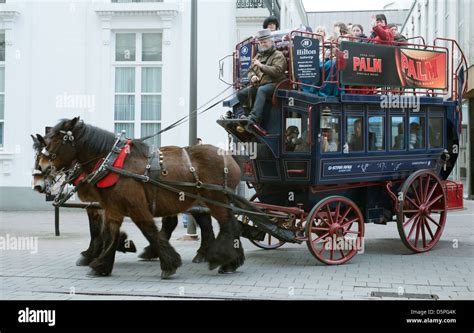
(112, 178)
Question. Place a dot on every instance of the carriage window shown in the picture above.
(397, 133)
(416, 136)
(355, 130)
(376, 133)
(435, 131)
(296, 132)
(330, 134)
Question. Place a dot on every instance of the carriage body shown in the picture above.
(399, 149)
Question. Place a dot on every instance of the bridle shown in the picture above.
(67, 138)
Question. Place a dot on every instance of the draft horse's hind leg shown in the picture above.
(103, 265)
(226, 250)
(204, 221)
(168, 225)
(170, 260)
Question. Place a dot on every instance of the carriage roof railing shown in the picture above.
(452, 90)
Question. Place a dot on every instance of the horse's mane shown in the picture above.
(97, 140)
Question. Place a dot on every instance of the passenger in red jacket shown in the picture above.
(381, 33)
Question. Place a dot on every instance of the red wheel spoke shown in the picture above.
(412, 202)
(427, 186)
(349, 222)
(322, 236)
(417, 233)
(429, 229)
(322, 249)
(420, 185)
(329, 214)
(416, 194)
(342, 254)
(269, 239)
(318, 228)
(431, 192)
(336, 216)
(431, 219)
(411, 219)
(412, 228)
(410, 210)
(343, 217)
(434, 200)
(331, 255)
(423, 236)
(352, 232)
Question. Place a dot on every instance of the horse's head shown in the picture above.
(42, 176)
(60, 150)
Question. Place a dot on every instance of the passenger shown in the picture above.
(394, 28)
(267, 70)
(339, 29)
(356, 143)
(292, 139)
(358, 31)
(381, 33)
(414, 141)
(328, 142)
(302, 144)
(329, 66)
(271, 23)
(399, 142)
(321, 30)
(399, 39)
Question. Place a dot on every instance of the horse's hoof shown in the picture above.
(167, 274)
(213, 266)
(83, 261)
(226, 270)
(147, 254)
(199, 258)
(94, 273)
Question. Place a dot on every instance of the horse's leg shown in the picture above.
(95, 244)
(103, 265)
(170, 260)
(204, 221)
(232, 266)
(168, 223)
(223, 250)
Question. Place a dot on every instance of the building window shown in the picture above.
(2, 88)
(138, 89)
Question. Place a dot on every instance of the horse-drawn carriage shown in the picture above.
(336, 149)
(379, 149)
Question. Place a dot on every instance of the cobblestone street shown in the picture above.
(286, 273)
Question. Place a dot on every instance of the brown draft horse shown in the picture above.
(72, 141)
(88, 193)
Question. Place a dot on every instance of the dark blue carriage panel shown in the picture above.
(363, 169)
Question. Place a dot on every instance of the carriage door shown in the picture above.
(296, 144)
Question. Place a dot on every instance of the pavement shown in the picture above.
(290, 272)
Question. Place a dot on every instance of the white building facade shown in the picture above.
(117, 64)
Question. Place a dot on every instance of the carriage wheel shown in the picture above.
(269, 242)
(335, 230)
(422, 211)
